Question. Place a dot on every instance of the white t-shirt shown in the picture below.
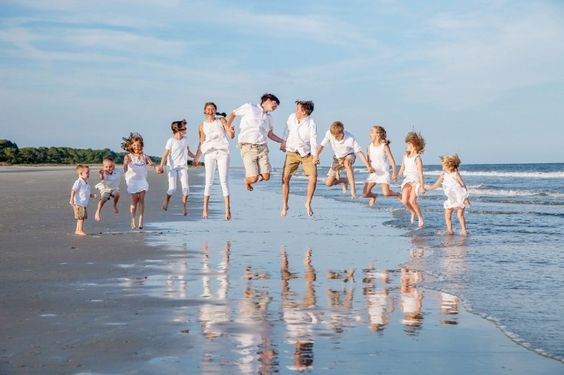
(81, 190)
(301, 136)
(112, 181)
(347, 145)
(178, 153)
(255, 124)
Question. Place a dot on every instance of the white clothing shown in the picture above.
(347, 145)
(136, 175)
(255, 124)
(215, 137)
(111, 181)
(456, 194)
(410, 174)
(81, 189)
(180, 174)
(178, 153)
(301, 135)
(379, 162)
(217, 159)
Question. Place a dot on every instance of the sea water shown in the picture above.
(510, 268)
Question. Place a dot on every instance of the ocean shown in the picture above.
(510, 268)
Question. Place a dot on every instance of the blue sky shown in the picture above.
(484, 79)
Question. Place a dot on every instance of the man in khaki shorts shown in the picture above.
(255, 127)
(301, 148)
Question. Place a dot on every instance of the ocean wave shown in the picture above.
(510, 174)
(479, 191)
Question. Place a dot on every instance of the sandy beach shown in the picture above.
(328, 294)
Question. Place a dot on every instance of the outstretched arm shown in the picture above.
(230, 118)
(419, 165)
(436, 184)
(229, 128)
(390, 157)
(365, 160)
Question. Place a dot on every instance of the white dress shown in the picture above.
(456, 194)
(410, 174)
(379, 163)
(136, 175)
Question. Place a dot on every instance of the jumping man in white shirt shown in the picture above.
(301, 148)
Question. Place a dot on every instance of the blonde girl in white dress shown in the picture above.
(455, 190)
(214, 145)
(135, 166)
(380, 157)
(412, 169)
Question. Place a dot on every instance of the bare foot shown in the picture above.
(421, 223)
(372, 201)
(97, 216)
(354, 196)
(248, 186)
(133, 225)
(463, 232)
(284, 211)
(205, 214)
(228, 215)
(344, 187)
(412, 219)
(184, 211)
(309, 211)
(78, 233)
(116, 210)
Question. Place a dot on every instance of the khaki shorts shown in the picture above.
(255, 159)
(339, 164)
(293, 161)
(79, 213)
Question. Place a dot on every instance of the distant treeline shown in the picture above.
(10, 153)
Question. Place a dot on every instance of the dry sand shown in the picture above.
(111, 303)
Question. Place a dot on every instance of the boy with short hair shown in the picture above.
(344, 147)
(110, 178)
(79, 197)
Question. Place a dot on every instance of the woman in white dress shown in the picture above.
(455, 191)
(214, 145)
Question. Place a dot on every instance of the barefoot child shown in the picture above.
(175, 156)
(214, 145)
(380, 157)
(412, 170)
(79, 197)
(344, 147)
(135, 165)
(455, 191)
(110, 178)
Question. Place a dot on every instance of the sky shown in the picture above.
(484, 79)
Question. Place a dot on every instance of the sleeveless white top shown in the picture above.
(215, 137)
(410, 174)
(178, 153)
(456, 194)
(136, 175)
(379, 162)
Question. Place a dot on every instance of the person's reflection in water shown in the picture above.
(411, 298)
(299, 317)
(340, 301)
(215, 312)
(380, 304)
(453, 268)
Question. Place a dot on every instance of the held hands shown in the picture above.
(316, 160)
(370, 169)
(283, 146)
(159, 169)
(394, 177)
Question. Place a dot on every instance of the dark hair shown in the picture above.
(266, 97)
(307, 106)
(177, 126)
(210, 103)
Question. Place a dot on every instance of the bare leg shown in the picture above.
(227, 201)
(206, 205)
(79, 231)
(97, 215)
(405, 194)
(350, 177)
(184, 203)
(285, 193)
(416, 208)
(166, 201)
(367, 193)
(448, 219)
(141, 208)
(387, 192)
(133, 209)
(311, 185)
(116, 200)
(462, 221)
(249, 181)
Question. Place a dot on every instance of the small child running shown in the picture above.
(344, 147)
(380, 158)
(412, 170)
(110, 178)
(455, 191)
(80, 196)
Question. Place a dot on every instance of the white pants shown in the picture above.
(182, 175)
(217, 159)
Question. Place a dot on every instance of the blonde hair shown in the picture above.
(336, 127)
(80, 168)
(417, 140)
(450, 162)
(383, 135)
(127, 142)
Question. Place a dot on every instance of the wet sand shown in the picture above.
(258, 294)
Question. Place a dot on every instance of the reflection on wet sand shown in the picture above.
(380, 304)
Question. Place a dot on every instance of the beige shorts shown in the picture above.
(339, 164)
(255, 159)
(79, 213)
(293, 161)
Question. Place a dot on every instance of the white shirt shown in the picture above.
(178, 153)
(255, 124)
(112, 181)
(301, 135)
(81, 189)
(347, 145)
(215, 137)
